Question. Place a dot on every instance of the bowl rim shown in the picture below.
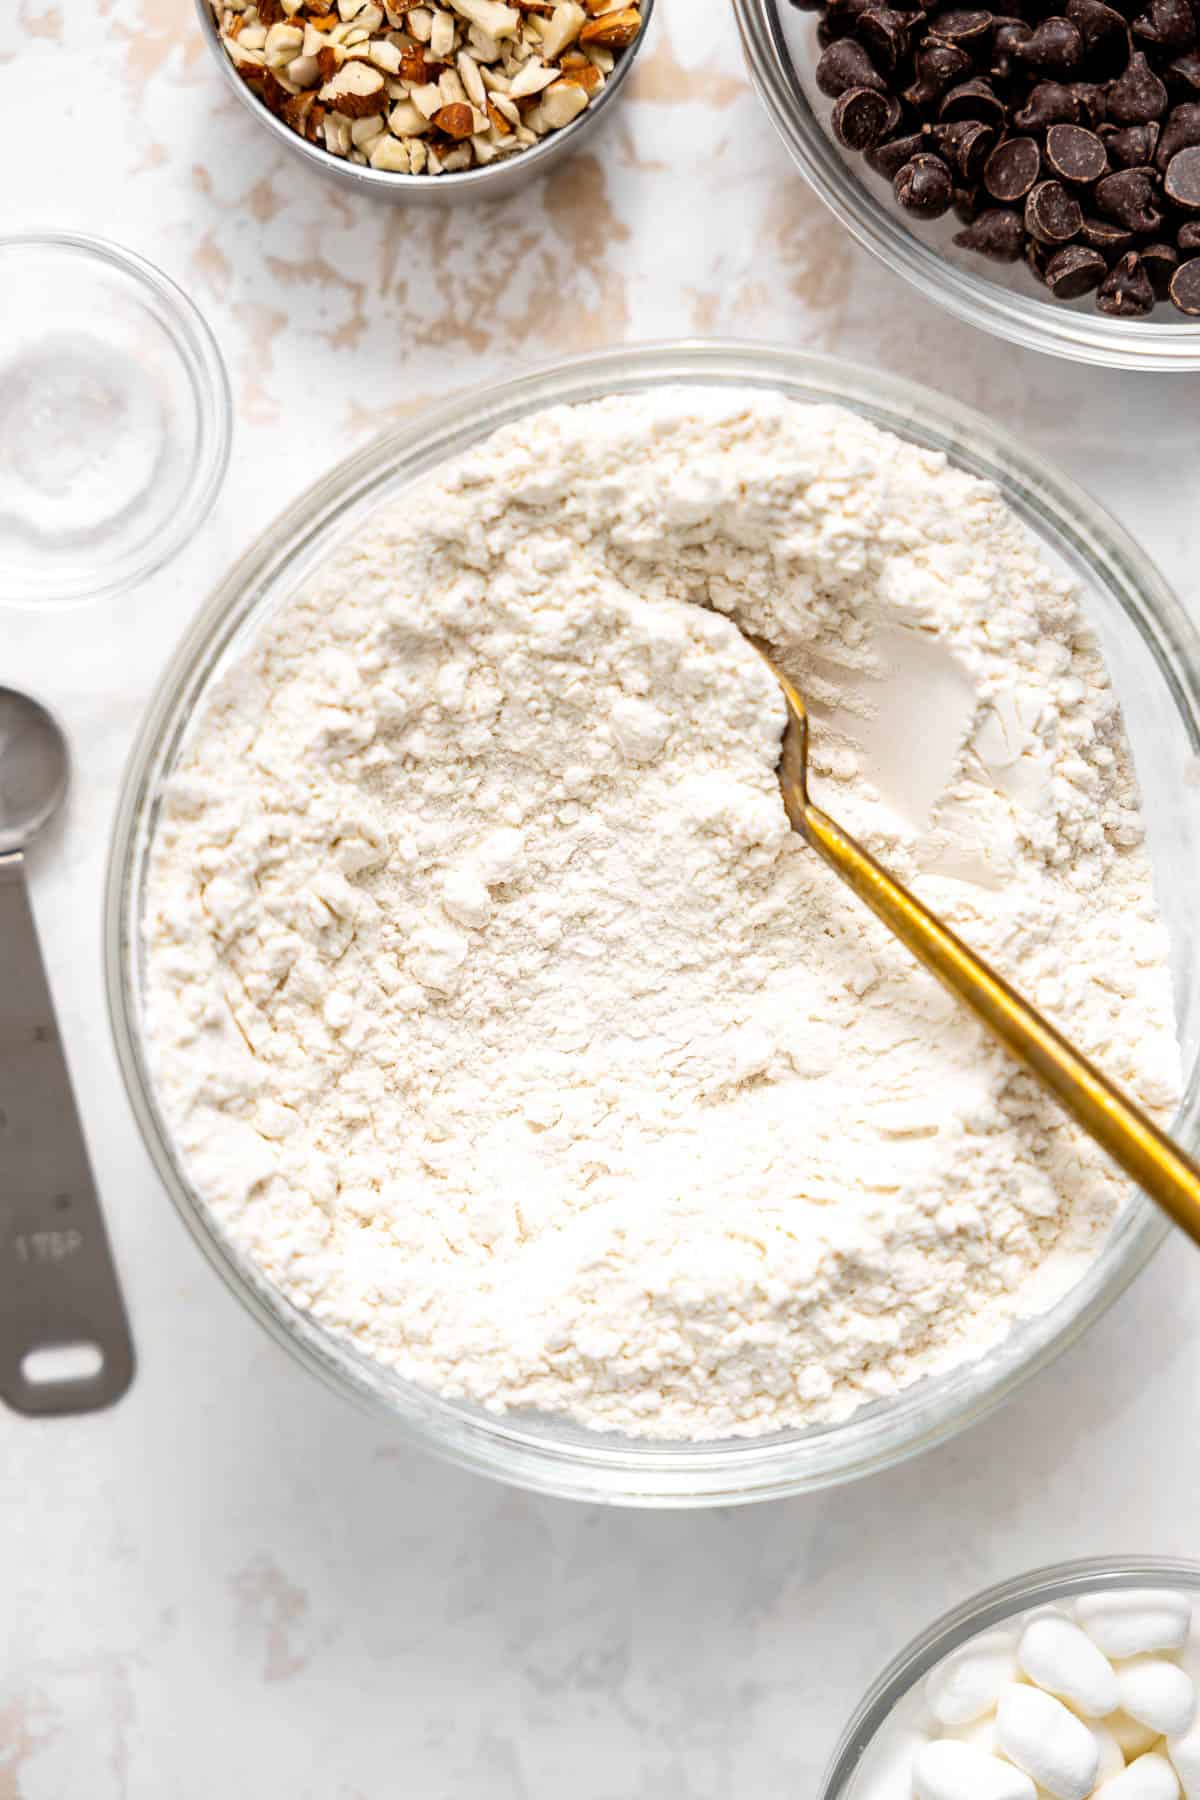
(1035, 324)
(1044, 1586)
(571, 1462)
(460, 182)
(195, 344)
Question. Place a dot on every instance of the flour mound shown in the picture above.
(502, 1021)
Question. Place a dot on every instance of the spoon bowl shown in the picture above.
(34, 769)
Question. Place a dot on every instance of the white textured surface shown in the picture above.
(234, 1584)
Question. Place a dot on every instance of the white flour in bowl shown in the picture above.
(500, 1018)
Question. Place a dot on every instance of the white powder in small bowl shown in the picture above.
(499, 1016)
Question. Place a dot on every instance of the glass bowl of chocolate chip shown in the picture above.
(1035, 169)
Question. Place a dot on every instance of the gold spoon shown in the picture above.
(1135, 1143)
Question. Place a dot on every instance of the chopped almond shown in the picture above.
(588, 78)
(296, 109)
(562, 29)
(358, 89)
(613, 30)
(457, 121)
(419, 69)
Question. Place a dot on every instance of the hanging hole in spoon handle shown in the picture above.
(64, 1336)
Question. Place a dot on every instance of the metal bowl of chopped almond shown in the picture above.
(414, 100)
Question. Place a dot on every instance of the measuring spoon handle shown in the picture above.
(58, 1285)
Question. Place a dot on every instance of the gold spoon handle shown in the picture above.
(1133, 1141)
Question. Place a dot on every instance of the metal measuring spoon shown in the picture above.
(64, 1338)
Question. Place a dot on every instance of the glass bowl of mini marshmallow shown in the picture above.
(1154, 653)
(1077, 1680)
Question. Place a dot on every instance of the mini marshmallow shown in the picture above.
(1149, 1778)
(1061, 1658)
(1132, 1621)
(949, 1770)
(1157, 1693)
(981, 1733)
(1052, 1746)
(968, 1684)
(1112, 1757)
(1133, 1737)
(1185, 1754)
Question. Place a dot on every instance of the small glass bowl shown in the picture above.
(115, 419)
(781, 51)
(1043, 1587)
(1155, 655)
(488, 183)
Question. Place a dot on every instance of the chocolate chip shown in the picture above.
(1130, 146)
(996, 233)
(968, 204)
(889, 158)
(1036, 258)
(1168, 24)
(846, 65)
(1138, 95)
(1103, 235)
(1181, 183)
(1012, 168)
(1008, 32)
(1092, 97)
(1188, 237)
(1128, 197)
(1160, 262)
(973, 100)
(1007, 39)
(1052, 215)
(1055, 48)
(1185, 72)
(1126, 293)
(966, 146)
(1049, 103)
(924, 187)
(1074, 270)
(1185, 287)
(886, 36)
(962, 26)
(1075, 155)
(861, 116)
(938, 67)
(841, 16)
(1105, 35)
(1180, 132)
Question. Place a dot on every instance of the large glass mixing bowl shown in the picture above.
(1155, 656)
